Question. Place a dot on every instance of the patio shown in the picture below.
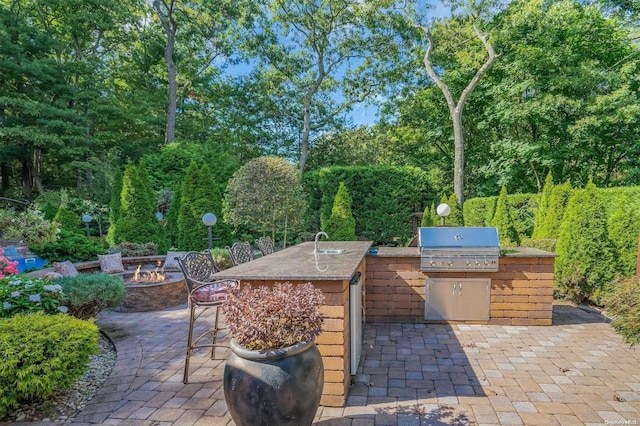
(577, 371)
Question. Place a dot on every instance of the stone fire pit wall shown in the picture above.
(521, 290)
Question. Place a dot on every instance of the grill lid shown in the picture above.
(457, 237)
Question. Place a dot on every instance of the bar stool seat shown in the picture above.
(205, 292)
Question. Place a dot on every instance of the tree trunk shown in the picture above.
(4, 176)
(26, 177)
(306, 129)
(455, 108)
(170, 27)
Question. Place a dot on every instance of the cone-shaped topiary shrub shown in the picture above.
(624, 227)
(543, 208)
(503, 221)
(427, 219)
(455, 217)
(585, 256)
(137, 222)
(68, 220)
(341, 226)
(560, 195)
(115, 205)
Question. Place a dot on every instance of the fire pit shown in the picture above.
(153, 290)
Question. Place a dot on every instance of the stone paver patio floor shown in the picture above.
(577, 371)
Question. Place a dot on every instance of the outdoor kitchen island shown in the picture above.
(519, 292)
(340, 277)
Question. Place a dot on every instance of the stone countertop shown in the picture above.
(300, 263)
(508, 252)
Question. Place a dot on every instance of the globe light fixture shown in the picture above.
(443, 211)
(209, 219)
(87, 219)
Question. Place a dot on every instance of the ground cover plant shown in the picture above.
(41, 354)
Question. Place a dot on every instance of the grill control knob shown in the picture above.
(449, 263)
(468, 262)
(486, 263)
(477, 263)
(432, 263)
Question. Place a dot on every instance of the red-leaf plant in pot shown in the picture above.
(274, 374)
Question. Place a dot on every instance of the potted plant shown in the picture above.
(274, 374)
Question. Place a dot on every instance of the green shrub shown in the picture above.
(585, 256)
(427, 219)
(42, 354)
(134, 249)
(479, 211)
(70, 246)
(137, 222)
(341, 226)
(222, 258)
(383, 198)
(200, 195)
(503, 221)
(546, 244)
(115, 206)
(543, 208)
(68, 220)
(622, 303)
(22, 293)
(89, 294)
(30, 228)
(558, 201)
(455, 217)
(624, 228)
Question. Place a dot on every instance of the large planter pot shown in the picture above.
(274, 387)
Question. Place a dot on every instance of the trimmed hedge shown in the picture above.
(384, 198)
(622, 302)
(480, 211)
(42, 354)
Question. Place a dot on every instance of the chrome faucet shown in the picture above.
(318, 235)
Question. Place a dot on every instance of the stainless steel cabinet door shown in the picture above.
(441, 300)
(457, 299)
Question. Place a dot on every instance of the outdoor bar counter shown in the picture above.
(330, 273)
(395, 289)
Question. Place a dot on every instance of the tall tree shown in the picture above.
(456, 107)
(319, 53)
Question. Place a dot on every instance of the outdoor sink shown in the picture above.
(329, 251)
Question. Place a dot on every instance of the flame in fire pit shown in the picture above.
(147, 276)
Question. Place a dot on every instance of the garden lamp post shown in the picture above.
(87, 219)
(443, 211)
(209, 219)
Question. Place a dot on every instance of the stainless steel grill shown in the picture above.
(458, 249)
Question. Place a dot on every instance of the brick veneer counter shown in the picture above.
(521, 289)
(329, 273)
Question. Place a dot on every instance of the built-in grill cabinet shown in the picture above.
(457, 299)
(458, 249)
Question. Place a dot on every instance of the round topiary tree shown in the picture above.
(266, 195)
(341, 226)
(543, 208)
(503, 221)
(585, 256)
(138, 222)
